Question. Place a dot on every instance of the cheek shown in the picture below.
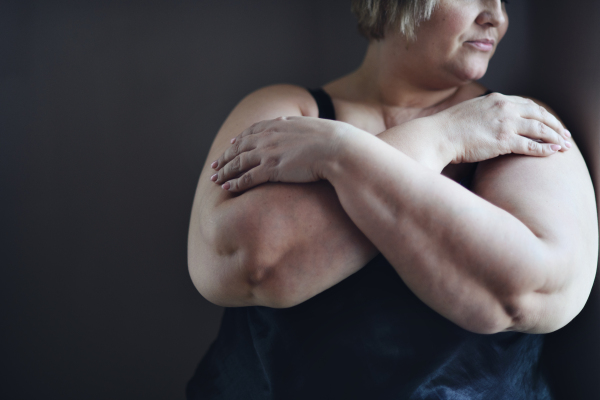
(448, 32)
(452, 21)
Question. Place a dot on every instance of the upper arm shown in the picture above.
(206, 242)
(266, 103)
(554, 197)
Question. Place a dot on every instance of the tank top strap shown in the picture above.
(324, 103)
(327, 111)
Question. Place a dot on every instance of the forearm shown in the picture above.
(276, 245)
(458, 253)
(279, 244)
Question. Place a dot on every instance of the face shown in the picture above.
(454, 46)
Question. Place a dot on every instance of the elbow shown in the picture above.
(214, 262)
(271, 288)
(221, 279)
(501, 317)
(542, 313)
(237, 257)
(226, 282)
(491, 313)
(551, 306)
(208, 279)
(516, 313)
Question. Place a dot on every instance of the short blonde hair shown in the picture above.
(375, 16)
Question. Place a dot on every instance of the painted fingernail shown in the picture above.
(555, 147)
(568, 133)
(214, 164)
(214, 177)
(232, 141)
(567, 144)
(226, 186)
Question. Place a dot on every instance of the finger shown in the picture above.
(522, 145)
(240, 146)
(255, 128)
(251, 178)
(535, 129)
(534, 111)
(240, 164)
(248, 131)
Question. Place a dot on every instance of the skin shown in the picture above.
(522, 265)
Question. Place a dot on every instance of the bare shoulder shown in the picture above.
(554, 197)
(266, 103)
(278, 98)
(558, 182)
(271, 102)
(263, 104)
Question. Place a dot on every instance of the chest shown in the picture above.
(375, 121)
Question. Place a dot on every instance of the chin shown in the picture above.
(472, 72)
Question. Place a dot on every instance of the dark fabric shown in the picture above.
(324, 103)
(368, 337)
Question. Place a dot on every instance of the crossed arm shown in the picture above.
(500, 259)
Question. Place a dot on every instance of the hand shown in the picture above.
(285, 149)
(490, 126)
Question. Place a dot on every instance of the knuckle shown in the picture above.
(235, 147)
(504, 133)
(540, 128)
(501, 103)
(271, 165)
(503, 138)
(246, 180)
(533, 146)
(235, 164)
(269, 130)
(272, 162)
(542, 110)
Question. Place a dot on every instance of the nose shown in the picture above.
(492, 15)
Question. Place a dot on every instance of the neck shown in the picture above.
(391, 83)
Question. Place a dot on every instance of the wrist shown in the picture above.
(424, 140)
(345, 140)
(442, 149)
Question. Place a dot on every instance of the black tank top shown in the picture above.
(368, 337)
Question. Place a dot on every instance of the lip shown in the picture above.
(482, 44)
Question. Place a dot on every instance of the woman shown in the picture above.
(380, 276)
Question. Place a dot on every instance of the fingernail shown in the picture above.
(214, 177)
(555, 147)
(232, 140)
(567, 144)
(568, 133)
(214, 164)
(226, 186)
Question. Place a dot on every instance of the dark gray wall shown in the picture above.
(107, 111)
(566, 61)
